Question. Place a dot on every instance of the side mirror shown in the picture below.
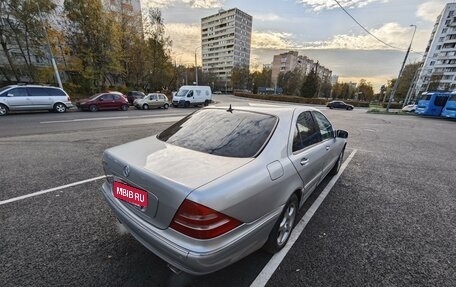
(341, 134)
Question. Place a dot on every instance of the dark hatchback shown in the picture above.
(339, 105)
(103, 101)
(134, 95)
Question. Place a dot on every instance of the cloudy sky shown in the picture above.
(319, 29)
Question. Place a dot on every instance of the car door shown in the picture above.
(105, 102)
(41, 98)
(328, 140)
(18, 99)
(154, 101)
(306, 152)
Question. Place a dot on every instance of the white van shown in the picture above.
(192, 96)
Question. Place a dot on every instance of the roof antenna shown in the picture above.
(230, 109)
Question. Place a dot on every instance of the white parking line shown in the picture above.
(110, 118)
(50, 190)
(277, 258)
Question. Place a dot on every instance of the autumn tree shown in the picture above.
(365, 90)
(240, 77)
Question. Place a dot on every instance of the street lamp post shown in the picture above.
(400, 71)
(196, 66)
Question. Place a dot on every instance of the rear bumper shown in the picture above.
(193, 256)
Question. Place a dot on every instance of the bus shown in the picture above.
(449, 111)
(432, 103)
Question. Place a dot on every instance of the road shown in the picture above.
(389, 219)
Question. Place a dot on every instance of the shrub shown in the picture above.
(295, 99)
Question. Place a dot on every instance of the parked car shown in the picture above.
(153, 100)
(409, 108)
(33, 97)
(339, 105)
(221, 182)
(103, 101)
(134, 95)
(192, 96)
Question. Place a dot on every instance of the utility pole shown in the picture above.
(196, 66)
(393, 92)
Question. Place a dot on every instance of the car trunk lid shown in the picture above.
(166, 172)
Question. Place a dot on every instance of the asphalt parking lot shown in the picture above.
(389, 220)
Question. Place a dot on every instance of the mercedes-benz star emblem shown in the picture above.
(126, 171)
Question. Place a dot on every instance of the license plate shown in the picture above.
(129, 194)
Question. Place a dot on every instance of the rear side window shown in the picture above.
(306, 133)
(107, 97)
(55, 92)
(116, 97)
(219, 132)
(38, 92)
(440, 101)
(324, 125)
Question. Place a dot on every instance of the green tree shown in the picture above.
(22, 37)
(310, 85)
(240, 77)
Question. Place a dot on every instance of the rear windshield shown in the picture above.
(223, 133)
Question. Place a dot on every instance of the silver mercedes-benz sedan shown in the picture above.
(222, 182)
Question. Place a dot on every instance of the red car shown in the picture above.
(103, 101)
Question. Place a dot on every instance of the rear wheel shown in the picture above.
(3, 110)
(336, 167)
(124, 107)
(145, 107)
(206, 103)
(166, 106)
(60, 108)
(93, 108)
(282, 229)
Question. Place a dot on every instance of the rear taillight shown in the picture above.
(201, 222)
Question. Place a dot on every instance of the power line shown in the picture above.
(368, 32)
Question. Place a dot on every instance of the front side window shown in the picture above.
(306, 133)
(107, 97)
(324, 125)
(153, 97)
(182, 93)
(217, 131)
(18, 92)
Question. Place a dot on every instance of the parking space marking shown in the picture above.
(50, 190)
(110, 118)
(277, 258)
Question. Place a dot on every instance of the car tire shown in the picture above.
(337, 165)
(3, 110)
(93, 108)
(124, 108)
(145, 107)
(187, 104)
(60, 108)
(206, 103)
(330, 107)
(283, 227)
(166, 106)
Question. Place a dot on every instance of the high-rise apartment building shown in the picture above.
(226, 38)
(439, 61)
(290, 61)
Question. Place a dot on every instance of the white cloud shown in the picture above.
(205, 4)
(272, 40)
(266, 17)
(430, 10)
(157, 3)
(319, 5)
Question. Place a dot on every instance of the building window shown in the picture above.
(432, 63)
(444, 30)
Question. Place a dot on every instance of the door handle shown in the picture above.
(304, 161)
(328, 147)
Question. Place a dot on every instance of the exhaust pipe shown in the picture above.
(174, 269)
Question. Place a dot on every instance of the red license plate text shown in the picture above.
(129, 194)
